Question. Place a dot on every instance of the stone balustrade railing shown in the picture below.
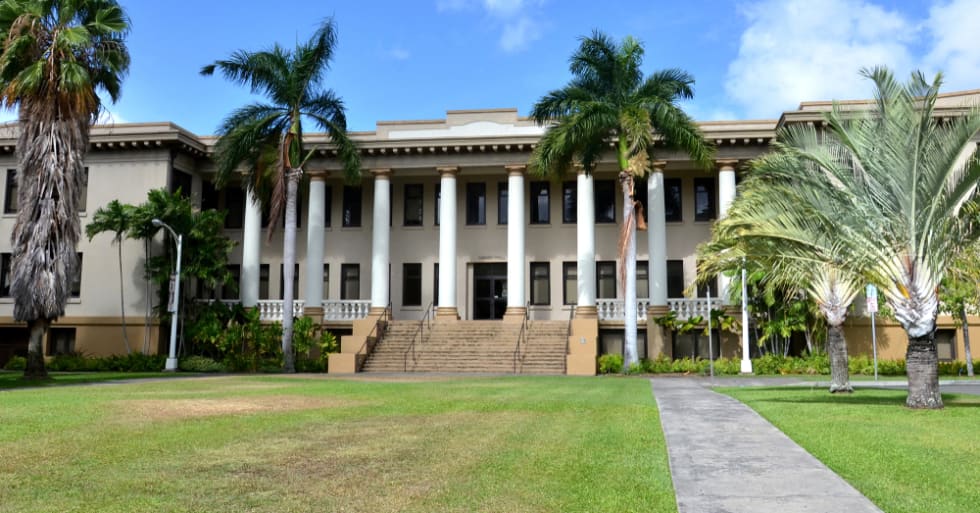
(345, 310)
(272, 309)
(615, 309)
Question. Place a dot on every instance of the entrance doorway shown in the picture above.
(489, 291)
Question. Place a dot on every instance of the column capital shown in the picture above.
(318, 175)
(659, 165)
(381, 174)
(448, 170)
(726, 164)
(516, 169)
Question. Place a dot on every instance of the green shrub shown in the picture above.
(133, 362)
(200, 364)
(16, 363)
(610, 364)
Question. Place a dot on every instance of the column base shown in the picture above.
(515, 314)
(586, 312)
(447, 313)
(654, 311)
(314, 312)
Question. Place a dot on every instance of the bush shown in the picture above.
(200, 364)
(610, 364)
(16, 363)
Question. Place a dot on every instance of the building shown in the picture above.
(478, 263)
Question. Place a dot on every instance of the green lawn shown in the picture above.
(14, 379)
(905, 461)
(279, 443)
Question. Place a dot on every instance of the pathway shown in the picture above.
(725, 458)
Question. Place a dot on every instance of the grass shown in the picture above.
(906, 461)
(14, 379)
(297, 444)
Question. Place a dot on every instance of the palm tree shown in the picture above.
(907, 182)
(776, 223)
(56, 56)
(291, 82)
(115, 217)
(609, 99)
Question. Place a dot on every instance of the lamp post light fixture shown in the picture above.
(174, 305)
(746, 356)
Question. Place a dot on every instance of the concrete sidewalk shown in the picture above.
(725, 458)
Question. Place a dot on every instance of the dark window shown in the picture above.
(438, 201)
(673, 205)
(569, 282)
(230, 288)
(413, 204)
(326, 281)
(61, 341)
(640, 188)
(209, 196)
(435, 285)
(476, 203)
(5, 259)
(705, 195)
(540, 283)
(264, 281)
(10, 195)
(605, 280)
(946, 344)
(350, 281)
(411, 284)
(540, 203)
(675, 278)
(282, 281)
(352, 206)
(327, 205)
(569, 202)
(502, 199)
(181, 182)
(694, 344)
(642, 280)
(76, 281)
(83, 192)
(605, 201)
(234, 208)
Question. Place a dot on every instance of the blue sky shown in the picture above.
(415, 59)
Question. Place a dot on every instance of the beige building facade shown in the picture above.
(446, 218)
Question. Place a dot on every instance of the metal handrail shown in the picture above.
(568, 336)
(522, 337)
(424, 322)
(378, 331)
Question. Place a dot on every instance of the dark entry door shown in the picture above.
(489, 291)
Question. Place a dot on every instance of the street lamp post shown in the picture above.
(175, 304)
(746, 356)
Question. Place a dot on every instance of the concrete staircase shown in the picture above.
(471, 346)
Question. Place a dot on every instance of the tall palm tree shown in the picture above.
(56, 56)
(908, 183)
(776, 223)
(610, 99)
(291, 82)
(114, 217)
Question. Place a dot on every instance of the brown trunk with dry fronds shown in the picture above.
(922, 368)
(837, 352)
(50, 150)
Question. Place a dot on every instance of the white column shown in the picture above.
(447, 244)
(248, 287)
(657, 236)
(315, 216)
(516, 285)
(380, 239)
(726, 194)
(586, 306)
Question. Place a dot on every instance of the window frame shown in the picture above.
(346, 275)
(546, 266)
(602, 272)
(10, 192)
(6, 260)
(412, 277)
(536, 216)
(503, 199)
(711, 185)
(674, 184)
(598, 187)
(678, 265)
(352, 213)
(476, 210)
(567, 276)
(412, 192)
(569, 202)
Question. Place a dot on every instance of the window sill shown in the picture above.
(350, 228)
(74, 300)
(475, 227)
(413, 227)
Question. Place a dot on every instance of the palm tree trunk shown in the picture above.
(122, 300)
(146, 298)
(35, 349)
(966, 343)
(629, 268)
(922, 368)
(837, 351)
(288, 262)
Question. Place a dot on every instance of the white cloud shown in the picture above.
(107, 117)
(797, 50)
(516, 18)
(954, 27)
(399, 54)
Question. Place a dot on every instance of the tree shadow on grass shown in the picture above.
(819, 395)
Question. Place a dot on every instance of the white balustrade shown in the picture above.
(687, 308)
(345, 310)
(615, 309)
(272, 309)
